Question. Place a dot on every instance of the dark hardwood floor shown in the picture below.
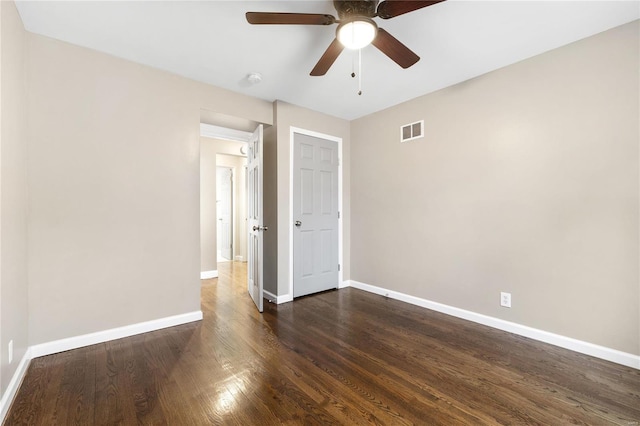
(341, 357)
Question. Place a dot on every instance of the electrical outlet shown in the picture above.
(505, 299)
(10, 351)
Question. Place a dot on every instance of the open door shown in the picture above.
(254, 217)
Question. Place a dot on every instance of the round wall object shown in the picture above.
(254, 78)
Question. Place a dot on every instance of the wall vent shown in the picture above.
(412, 131)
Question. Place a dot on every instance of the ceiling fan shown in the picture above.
(356, 28)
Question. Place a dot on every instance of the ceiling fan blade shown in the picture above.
(328, 58)
(392, 8)
(258, 18)
(398, 52)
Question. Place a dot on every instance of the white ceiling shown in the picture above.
(211, 41)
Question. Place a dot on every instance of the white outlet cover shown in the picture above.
(505, 299)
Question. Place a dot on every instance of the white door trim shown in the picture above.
(338, 140)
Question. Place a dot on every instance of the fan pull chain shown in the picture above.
(359, 72)
(353, 74)
(353, 65)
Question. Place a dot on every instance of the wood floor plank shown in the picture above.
(340, 357)
(115, 403)
(76, 396)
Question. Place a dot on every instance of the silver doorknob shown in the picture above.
(298, 223)
(260, 228)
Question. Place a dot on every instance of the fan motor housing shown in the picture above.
(348, 9)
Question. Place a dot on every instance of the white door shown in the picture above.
(225, 211)
(254, 217)
(315, 215)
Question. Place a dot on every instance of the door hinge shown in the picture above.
(338, 266)
(338, 215)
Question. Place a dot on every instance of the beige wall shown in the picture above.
(526, 182)
(288, 116)
(209, 159)
(13, 192)
(114, 189)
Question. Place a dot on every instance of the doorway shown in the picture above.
(225, 206)
(226, 158)
(222, 203)
(231, 207)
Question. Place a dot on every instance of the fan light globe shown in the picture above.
(357, 34)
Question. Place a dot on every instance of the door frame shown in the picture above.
(292, 131)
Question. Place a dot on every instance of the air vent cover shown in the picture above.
(412, 131)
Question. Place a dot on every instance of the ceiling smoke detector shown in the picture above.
(254, 78)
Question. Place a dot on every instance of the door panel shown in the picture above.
(254, 219)
(315, 208)
(326, 192)
(307, 239)
(326, 243)
(306, 183)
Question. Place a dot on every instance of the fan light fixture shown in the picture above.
(358, 33)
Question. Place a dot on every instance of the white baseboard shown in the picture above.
(285, 298)
(14, 385)
(205, 275)
(575, 345)
(277, 299)
(344, 284)
(112, 334)
(239, 258)
(272, 297)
